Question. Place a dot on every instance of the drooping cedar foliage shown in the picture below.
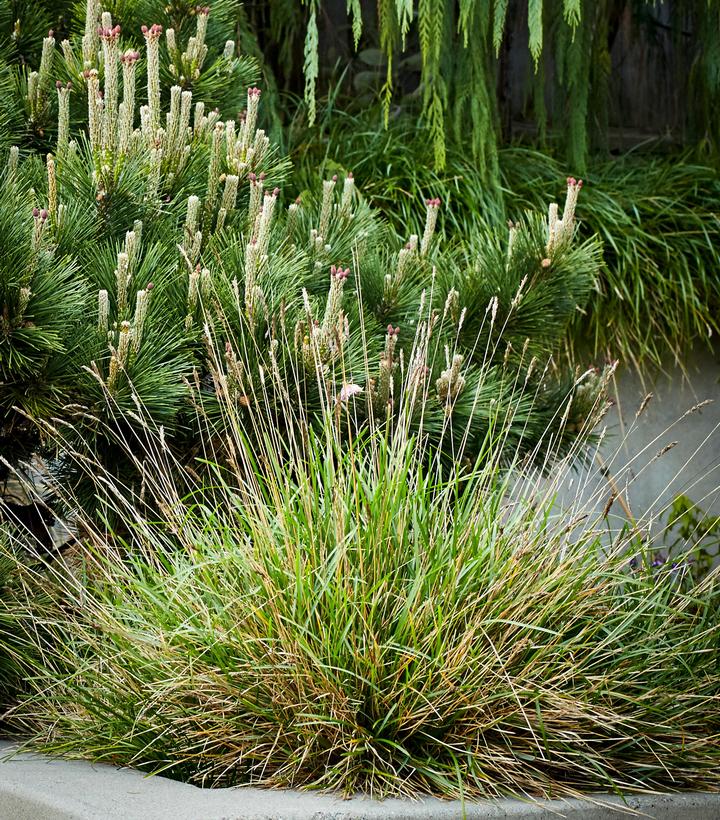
(454, 62)
(448, 60)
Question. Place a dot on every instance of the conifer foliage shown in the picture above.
(146, 258)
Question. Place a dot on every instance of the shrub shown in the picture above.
(146, 266)
(130, 251)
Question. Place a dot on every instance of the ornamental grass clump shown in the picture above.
(353, 615)
(10, 670)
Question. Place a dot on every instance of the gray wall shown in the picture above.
(647, 481)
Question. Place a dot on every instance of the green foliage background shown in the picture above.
(459, 52)
(657, 214)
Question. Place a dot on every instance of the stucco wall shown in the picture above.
(646, 480)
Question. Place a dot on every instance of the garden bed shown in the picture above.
(312, 468)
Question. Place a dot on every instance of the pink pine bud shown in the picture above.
(149, 286)
(276, 191)
(334, 179)
(43, 214)
(152, 33)
(36, 212)
(58, 84)
(51, 33)
(252, 177)
(349, 176)
(262, 177)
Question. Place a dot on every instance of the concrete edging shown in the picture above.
(33, 787)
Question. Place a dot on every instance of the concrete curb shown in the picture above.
(38, 788)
